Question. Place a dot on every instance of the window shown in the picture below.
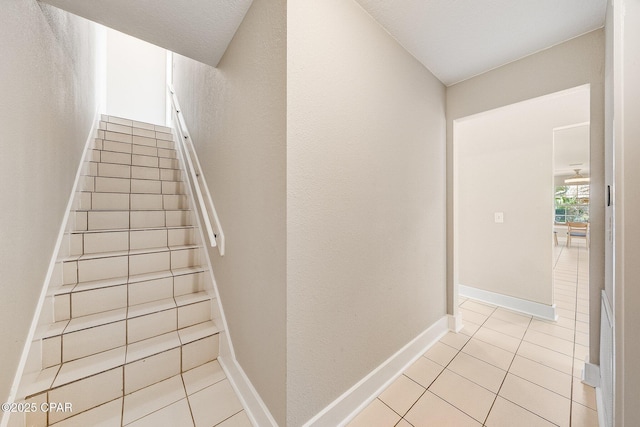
(572, 203)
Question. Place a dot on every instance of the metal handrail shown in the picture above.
(209, 214)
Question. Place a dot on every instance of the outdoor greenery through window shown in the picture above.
(572, 203)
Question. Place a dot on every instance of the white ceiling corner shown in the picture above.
(199, 29)
(459, 39)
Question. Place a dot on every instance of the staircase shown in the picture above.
(134, 308)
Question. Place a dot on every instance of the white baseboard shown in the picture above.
(350, 403)
(254, 406)
(591, 374)
(455, 322)
(532, 308)
(602, 422)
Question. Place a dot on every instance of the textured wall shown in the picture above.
(237, 118)
(365, 200)
(48, 75)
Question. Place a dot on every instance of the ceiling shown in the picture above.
(571, 150)
(459, 39)
(454, 39)
(199, 29)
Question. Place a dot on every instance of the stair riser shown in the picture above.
(117, 241)
(148, 148)
(121, 201)
(120, 220)
(114, 170)
(101, 184)
(124, 158)
(89, 270)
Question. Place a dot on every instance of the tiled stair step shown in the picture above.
(138, 289)
(133, 123)
(90, 268)
(144, 147)
(96, 201)
(113, 157)
(131, 219)
(114, 170)
(157, 133)
(126, 369)
(100, 184)
(96, 242)
(84, 336)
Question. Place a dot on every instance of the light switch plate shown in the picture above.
(499, 217)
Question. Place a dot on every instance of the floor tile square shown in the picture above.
(402, 394)
(377, 414)
(584, 394)
(424, 371)
(553, 359)
(454, 340)
(176, 414)
(489, 353)
(514, 330)
(472, 316)
(478, 371)
(238, 420)
(441, 353)
(581, 416)
(511, 316)
(478, 307)
(465, 395)
(227, 404)
(542, 375)
(503, 413)
(497, 339)
(432, 411)
(547, 404)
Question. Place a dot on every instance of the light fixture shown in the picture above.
(577, 179)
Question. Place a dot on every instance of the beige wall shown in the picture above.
(573, 63)
(503, 162)
(626, 131)
(49, 82)
(237, 119)
(365, 200)
(136, 79)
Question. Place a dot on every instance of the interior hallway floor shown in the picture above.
(503, 368)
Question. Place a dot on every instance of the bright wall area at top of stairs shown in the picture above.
(136, 79)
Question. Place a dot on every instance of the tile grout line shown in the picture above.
(507, 373)
(458, 351)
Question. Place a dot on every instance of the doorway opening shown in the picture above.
(506, 212)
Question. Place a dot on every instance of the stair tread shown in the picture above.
(97, 319)
(173, 227)
(97, 284)
(145, 348)
(90, 365)
(133, 311)
(100, 255)
(150, 307)
(199, 331)
(192, 298)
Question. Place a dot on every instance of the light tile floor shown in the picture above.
(503, 368)
(201, 397)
